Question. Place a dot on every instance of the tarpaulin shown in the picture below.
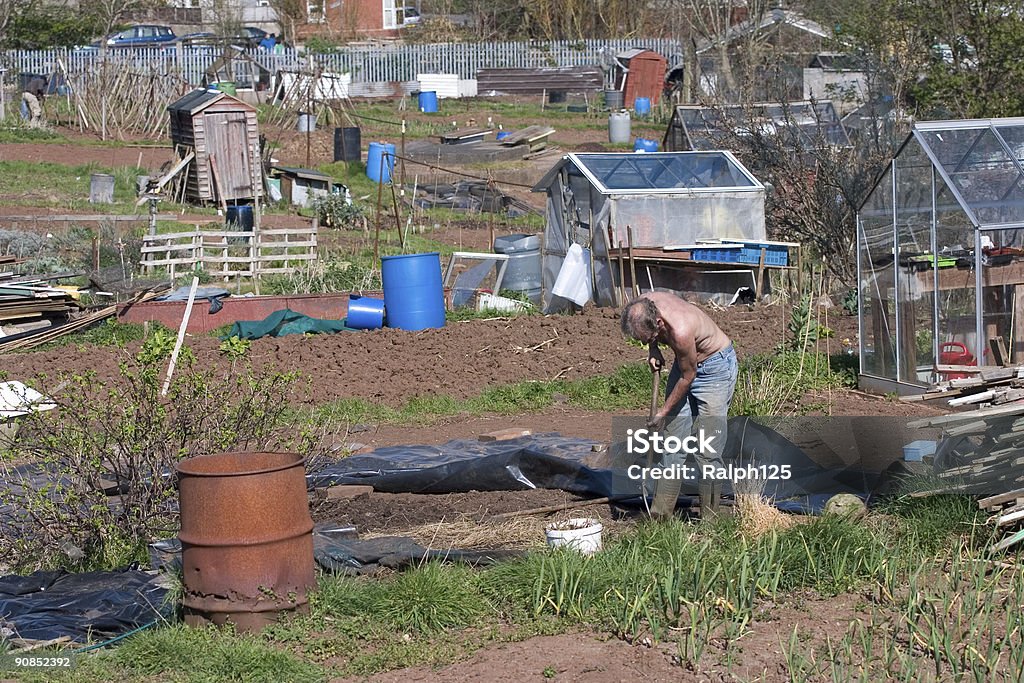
(340, 550)
(286, 321)
(213, 294)
(90, 606)
(553, 461)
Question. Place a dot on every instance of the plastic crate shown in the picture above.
(917, 450)
(716, 255)
(774, 254)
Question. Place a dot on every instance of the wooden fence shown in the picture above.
(230, 254)
(367, 64)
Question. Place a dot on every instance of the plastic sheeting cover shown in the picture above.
(91, 606)
(555, 462)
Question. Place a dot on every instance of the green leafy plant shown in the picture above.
(235, 347)
(336, 211)
(157, 347)
(804, 327)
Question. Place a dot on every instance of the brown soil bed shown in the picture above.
(395, 512)
(390, 366)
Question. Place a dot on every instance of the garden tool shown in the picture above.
(666, 491)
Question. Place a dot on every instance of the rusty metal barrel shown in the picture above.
(246, 537)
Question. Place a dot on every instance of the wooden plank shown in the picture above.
(997, 347)
(957, 368)
(941, 420)
(505, 434)
(1001, 498)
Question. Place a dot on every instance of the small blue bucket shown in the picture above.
(365, 313)
(428, 102)
(642, 106)
(645, 145)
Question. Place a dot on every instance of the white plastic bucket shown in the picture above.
(580, 534)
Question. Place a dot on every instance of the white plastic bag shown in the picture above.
(573, 281)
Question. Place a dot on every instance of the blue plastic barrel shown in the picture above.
(428, 102)
(645, 145)
(413, 292)
(365, 313)
(642, 106)
(375, 170)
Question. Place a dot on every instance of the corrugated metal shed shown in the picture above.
(224, 134)
(535, 81)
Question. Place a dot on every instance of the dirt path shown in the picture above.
(148, 157)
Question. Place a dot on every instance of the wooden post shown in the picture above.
(760, 274)
(622, 274)
(632, 263)
(181, 336)
(398, 219)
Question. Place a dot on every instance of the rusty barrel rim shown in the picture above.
(187, 466)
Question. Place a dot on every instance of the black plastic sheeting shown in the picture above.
(339, 550)
(553, 461)
(46, 605)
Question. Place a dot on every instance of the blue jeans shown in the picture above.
(706, 404)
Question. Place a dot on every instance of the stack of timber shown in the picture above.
(36, 337)
(982, 453)
(986, 385)
(1007, 511)
(33, 299)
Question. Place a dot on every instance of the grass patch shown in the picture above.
(17, 134)
(110, 332)
(669, 581)
(45, 183)
(627, 388)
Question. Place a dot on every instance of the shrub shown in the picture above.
(124, 436)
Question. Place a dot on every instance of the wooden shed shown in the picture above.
(222, 133)
(641, 73)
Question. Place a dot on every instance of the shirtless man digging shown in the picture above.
(700, 385)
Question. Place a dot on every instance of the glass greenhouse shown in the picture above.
(660, 199)
(940, 255)
(802, 125)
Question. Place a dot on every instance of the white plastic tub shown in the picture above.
(580, 534)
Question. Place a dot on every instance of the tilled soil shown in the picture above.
(387, 512)
(389, 366)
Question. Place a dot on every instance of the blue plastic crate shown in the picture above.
(774, 254)
(715, 255)
(916, 451)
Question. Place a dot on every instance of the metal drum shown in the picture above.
(246, 537)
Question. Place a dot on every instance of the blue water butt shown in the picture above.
(642, 106)
(645, 145)
(365, 313)
(413, 291)
(428, 102)
(374, 169)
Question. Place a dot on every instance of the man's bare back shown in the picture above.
(687, 320)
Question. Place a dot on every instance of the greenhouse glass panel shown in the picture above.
(915, 271)
(639, 172)
(877, 277)
(1003, 302)
(1014, 137)
(954, 235)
